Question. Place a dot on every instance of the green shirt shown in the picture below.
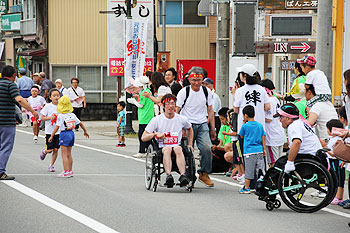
(146, 113)
(301, 105)
(225, 138)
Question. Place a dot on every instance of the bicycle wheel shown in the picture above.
(149, 168)
(309, 176)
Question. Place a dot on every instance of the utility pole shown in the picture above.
(222, 51)
(164, 24)
(324, 41)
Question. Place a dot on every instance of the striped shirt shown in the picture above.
(8, 92)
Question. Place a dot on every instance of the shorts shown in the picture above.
(121, 131)
(67, 138)
(253, 163)
(335, 164)
(55, 142)
(237, 152)
(32, 119)
(273, 153)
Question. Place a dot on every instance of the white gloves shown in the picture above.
(289, 167)
(133, 101)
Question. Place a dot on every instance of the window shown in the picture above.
(29, 9)
(181, 13)
(98, 87)
(291, 26)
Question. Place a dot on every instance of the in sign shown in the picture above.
(280, 47)
(304, 47)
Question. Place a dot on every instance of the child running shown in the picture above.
(37, 102)
(121, 124)
(49, 115)
(254, 149)
(66, 122)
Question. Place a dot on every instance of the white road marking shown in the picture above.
(213, 178)
(79, 174)
(87, 221)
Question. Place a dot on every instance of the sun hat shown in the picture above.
(249, 69)
(64, 105)
(58, 81)
(141, 81)
(36, 74)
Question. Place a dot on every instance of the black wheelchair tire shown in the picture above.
(149, 167)
(287, 197)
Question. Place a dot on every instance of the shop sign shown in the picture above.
(288, 4)
(11, 22)
(4, 6)
(296, 47)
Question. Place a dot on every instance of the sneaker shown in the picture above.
(51, 169)
(228, 174)
(184, 180)
(119, 145)
(347, 206)
(319, 194)
(35, 138)
(139, 155)
(235, 177)
(244, 190)
(343, 203)
(65, 174)
(336, 201)
(4, 176)
(42, 154)
(204, 178)
(123, 145)
(241, 179)
(169, 181)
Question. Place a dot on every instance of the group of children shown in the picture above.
(59, 124)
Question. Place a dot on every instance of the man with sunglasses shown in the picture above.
(196, 105)
(167, 129)
(301, 137)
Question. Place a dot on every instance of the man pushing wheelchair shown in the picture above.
(166, 128)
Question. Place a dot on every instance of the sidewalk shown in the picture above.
(107, 128)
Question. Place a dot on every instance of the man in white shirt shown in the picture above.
(77, 98)
(167, 129)
(301, 137)
(196, 106)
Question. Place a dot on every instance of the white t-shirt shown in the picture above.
(216, 104)
(233, 138)
(49, 110)
(37, 103)
(320, 82)
(254, 95)
(275, 135)
(63, 91)
(331, 144)
(163, 90)
(309, 141)
(195, 109)
(71, 94)
(172, 127)
(347, 107)
(325, 112)
(69, 118)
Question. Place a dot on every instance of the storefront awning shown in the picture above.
(33, 52)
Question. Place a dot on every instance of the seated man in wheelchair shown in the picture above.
(301, 137)
(167, 129)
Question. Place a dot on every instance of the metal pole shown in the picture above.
(324, 38)
(222, 51)
(128, 128)
(164, 24)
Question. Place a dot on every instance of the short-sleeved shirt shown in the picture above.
(171, 127)
(331, 144)
(252, 131)
(320, 82)
(121, 114)
(37, 103)
(46, 84)
(48, 111)
(195, 108)
(163, 90)
(146, 113)
(8, 92)
(72, 96)
(25, 83)
(67, 121)
(275, 135)
(325, 112)
(309, 141)
(225, 138)
(254, 95)
(216, 104)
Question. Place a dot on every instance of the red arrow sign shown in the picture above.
(305, 47)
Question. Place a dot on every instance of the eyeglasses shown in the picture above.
(196, 80)
(170, 103)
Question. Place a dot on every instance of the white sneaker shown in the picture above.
(315, 194)
(35, 138)
(319, 193)
(241, 179)
(139, 155)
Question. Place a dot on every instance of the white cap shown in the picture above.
(58, 81)
(249, 69)
(141, 81)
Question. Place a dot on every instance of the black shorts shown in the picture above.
(55, 142)
(237, 147)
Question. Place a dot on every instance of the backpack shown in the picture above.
(205, 90)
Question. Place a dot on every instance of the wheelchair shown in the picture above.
(312, 173)
(154, 166)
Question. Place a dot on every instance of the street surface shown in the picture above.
(107, 194)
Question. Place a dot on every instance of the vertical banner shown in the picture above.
(135, 49)
(116, 35)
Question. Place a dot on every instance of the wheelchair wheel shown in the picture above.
(309, 176)
(335, 182)
(191, 168)
(149, 168)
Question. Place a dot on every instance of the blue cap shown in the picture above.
(22, 71)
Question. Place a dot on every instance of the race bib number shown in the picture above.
(171, 138)
(70, 124)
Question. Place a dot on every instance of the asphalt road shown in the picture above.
(107, 194)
